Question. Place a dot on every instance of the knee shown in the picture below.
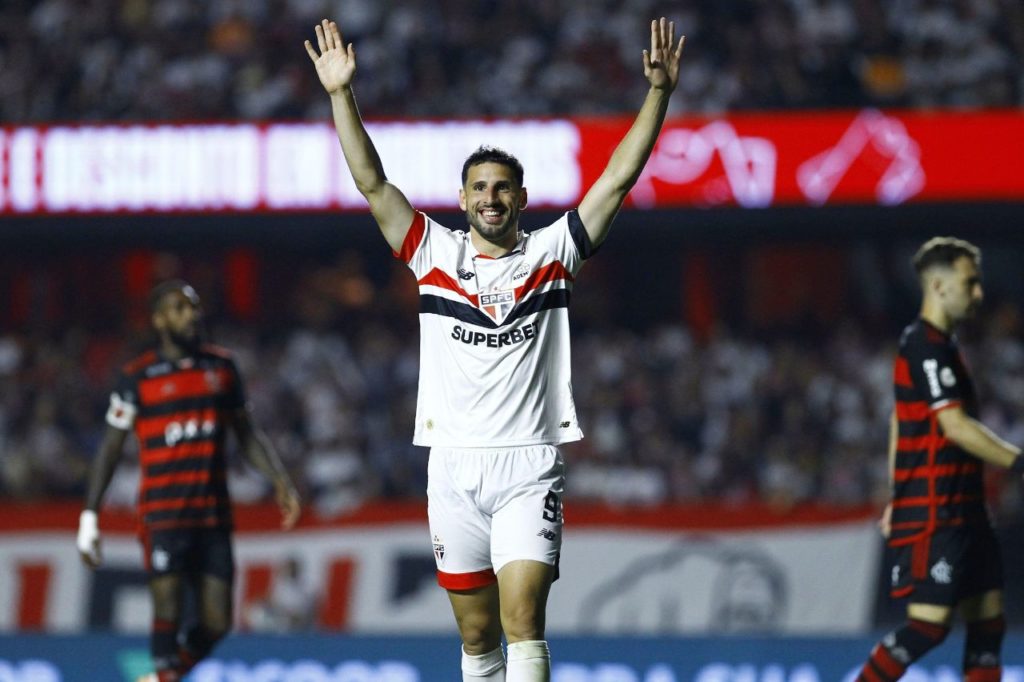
(480, 632)
(166, 610)
(522, 621)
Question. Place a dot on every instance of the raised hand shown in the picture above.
(335, 64)
(661, 64)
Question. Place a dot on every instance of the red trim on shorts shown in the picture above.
(466, 581)
(983, 674)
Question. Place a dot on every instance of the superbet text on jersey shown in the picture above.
(494, 335)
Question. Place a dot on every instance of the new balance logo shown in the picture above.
(465, 274)
(546, 534)
(565, 425)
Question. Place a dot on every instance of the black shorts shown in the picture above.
(196, 551)
(948, 566)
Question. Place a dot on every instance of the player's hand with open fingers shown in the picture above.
(334, 61)
(661, 63)
(88, 539)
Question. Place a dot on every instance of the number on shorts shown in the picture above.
(551, 506)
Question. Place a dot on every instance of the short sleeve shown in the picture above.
(567, 239)
(124, 404)
(415, 240)
(934, 372)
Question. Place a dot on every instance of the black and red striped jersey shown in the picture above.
(936, 483)
(180, 411)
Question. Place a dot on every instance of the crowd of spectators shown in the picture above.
(784, 418)
(669, 416)
(106, 60)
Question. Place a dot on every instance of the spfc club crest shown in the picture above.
(498, 304)
(438, 550)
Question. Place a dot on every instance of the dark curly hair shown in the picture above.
(485, 154)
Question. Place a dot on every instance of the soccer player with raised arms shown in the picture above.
(495, 396)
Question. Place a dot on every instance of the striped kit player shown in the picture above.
(180, 400)
(946, 556)
(937, 485)
(177, 410)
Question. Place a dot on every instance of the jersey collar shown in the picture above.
(520, 247)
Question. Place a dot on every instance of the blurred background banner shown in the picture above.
(656, 571)
(748, 160)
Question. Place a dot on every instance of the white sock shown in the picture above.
(489, 666)
(529, 661)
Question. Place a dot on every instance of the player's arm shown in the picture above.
(885, 523)
(102, 470)
(894, 437)
(977, 439)
(605, 197)
(336, 66)
(258, 450)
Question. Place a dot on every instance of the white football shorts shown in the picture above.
(490, 506)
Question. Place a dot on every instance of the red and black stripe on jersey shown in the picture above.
(935, 482)
(182, 412)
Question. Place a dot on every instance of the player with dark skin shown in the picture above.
(176, 318)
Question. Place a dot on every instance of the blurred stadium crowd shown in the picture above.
(736, 417)
(93, 60)
(669, 417)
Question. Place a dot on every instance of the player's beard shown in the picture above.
(968, 312)
(187, 341)
(495, 233)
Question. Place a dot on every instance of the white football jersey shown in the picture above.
(494, 335)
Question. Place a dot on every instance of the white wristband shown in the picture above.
(88, 520)
(88, 534)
